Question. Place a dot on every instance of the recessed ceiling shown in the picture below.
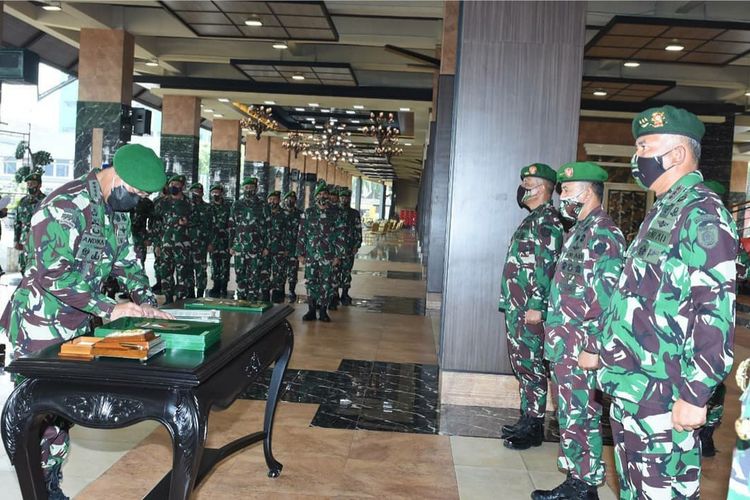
(339, 74)
(623, 89)
(646, 38)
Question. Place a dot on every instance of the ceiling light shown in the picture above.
(319, 126)
(358, 106)
(52, 7)
(223, 99)
(301, 110)
(208, 110)
(354, 121)
(298, 76)
(404, 109)
(269, 103)
(254, 21)
(311, 120)
(152, 63)
(218, 115)
(313, 104)
(407, 144)
(632, 64)
(674, 47)
(350, 112)
(747, 93)
(325, 110)
(280, 45)
(333, 120)
(600, 93)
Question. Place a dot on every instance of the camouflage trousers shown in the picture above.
(140, 252)
(22, 260)
(176, 269)
(526, 351)
(716, 406)
(653, 460)
(319, 280)
(345, 271)
(220, 265)
(252, 275)
(739, 486)
(200, 264)
(579, 412)
(292, 271)
(277, 269)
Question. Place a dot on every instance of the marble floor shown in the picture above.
(359, 417)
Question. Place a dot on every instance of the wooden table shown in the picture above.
(178, 389)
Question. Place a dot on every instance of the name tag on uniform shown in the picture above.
(91, 248)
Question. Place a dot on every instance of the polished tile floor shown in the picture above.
(359, 416)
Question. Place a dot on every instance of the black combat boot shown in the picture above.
(335, 301)
(277, 296)
(707, 441)
(214, 292)
(201, 292)
(529, 434)
(570, 489)
(265, 296)
(323, 314)
(311, 309)
(292, 294)
(345, 299)
(157, 288)
(510, 429)
(52, 478)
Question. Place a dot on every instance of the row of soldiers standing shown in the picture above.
(266, 239)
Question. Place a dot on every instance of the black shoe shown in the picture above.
(510, 429)
(201, 292)
(345, 299)
(530, 434)
(292, 298)
(52, 478)
(332, 306)
(323, 314)
(570, 489)
(277, 296)
(311, 309)
(707, 441)
(223, 289)
(214, 292)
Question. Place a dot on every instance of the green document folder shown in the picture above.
(228, 305)
(178, 334)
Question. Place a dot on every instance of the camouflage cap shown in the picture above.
(289, 194)
(333, 190)
(177, 178)
(196, 185)
(539, 170)
(345, 192)
(274, 193)
(33, 177)
(668, 120)
(250, 180)
(582, 171)
(321, 188)
(216, 186)
(716, 186)
(139, 167)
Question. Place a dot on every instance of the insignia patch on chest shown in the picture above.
(67, 220)
(708, 236)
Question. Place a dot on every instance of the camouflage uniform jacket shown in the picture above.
(76, 242)
(154, 223)
(669, 329)
(219, 234)
(24, 211)
(294, 216)
(249, 225)
(168, 214)
(140, 219)
(279, 233)
(323, 235)
(585, 277)
(531, 259)
(353, 222)
(200, 222)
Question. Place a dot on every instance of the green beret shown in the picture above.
(289, 194)
(539, 170)
(345, 192)
(177, 178)
(321, 188)
(582, 171)
(333, 190)
(196, 185)
(140, 168)
(33, 177)
(250, 180)
(217, 186)
(274, 193)
(715, 186)
(668, 120)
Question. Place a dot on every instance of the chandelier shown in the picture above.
(296, 143)
(332, 145)
(385, 133)
(258, 120)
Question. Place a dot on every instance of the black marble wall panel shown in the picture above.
(180, 155)
(716, 151)
(261, 171)
(224, 168)
(309, 189)
(286, 180)
(276, 179)
(113, 118)
(516, 102)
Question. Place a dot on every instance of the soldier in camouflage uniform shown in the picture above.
(140, 218)
(3, 214)
(278, 246)
(353, 222)
(218, 246)
(294, 215)
(527, 274)
(173, 244)
(24, 211)
(249, 224)
(739, 480)
(667, 335)
(333, 203)
(80, 235)
(586, 274)
(154, 237)
(321, 247)
(200, 233)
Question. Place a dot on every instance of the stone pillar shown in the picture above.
(311, 178)
(279, 161)
(256, 159)
(357, 198)
(296, 172)
(105, 91)
(224, 166)
(180, 124)
(382, 201)
(516, 101)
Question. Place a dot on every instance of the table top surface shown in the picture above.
(240, 331)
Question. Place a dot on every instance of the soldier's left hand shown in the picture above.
(588, 361)
(152, 312)
(687, 417)
(533, 317)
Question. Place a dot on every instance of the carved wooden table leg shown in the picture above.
(274, 388)
(187, 423)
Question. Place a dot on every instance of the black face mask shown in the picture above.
(520, 193)
(647, 170)
(274, 204)
(174, 190)
(290, 202)
(216, 197)
(32, 190)
(249, 193)
(197, 196)
(322, 202)
(122, 200)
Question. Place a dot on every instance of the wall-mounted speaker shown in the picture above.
(19, 66)
(141, 120)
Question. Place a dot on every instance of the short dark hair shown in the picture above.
(598, 188)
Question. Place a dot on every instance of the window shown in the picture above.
(61, 168)
(9, 167)
(48, 170)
